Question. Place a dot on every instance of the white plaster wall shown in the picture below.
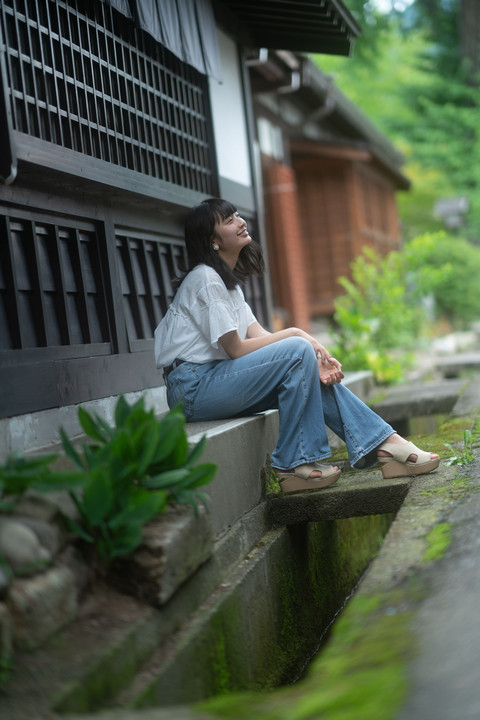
(229, 121)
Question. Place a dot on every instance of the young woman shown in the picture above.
(221, 363)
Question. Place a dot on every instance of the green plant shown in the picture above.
(131, 472)
(465, 457)
(20, 473)
(376, 321)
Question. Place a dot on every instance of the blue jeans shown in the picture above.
(282, 375)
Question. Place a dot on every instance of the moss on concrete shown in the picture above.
(456, 488)
(270, 482)
(438, 539)
(271, 618)
(223, 678)
(360, 675)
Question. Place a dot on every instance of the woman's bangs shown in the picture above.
(224, 209)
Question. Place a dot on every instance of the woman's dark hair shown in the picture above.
(199, 233)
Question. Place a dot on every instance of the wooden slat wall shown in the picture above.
(345, 205)
(378, 225)
(326, 218)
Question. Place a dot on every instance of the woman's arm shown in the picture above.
(257, 337)
(256, 330)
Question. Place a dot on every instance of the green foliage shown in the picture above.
(448, 268)
(373, 24)
(465, 457)
(20, 473)
(376, 319)
(131, 472)
(423, 94)
(380, 317)
(126, 475)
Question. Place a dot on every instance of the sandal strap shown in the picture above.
(304, 471)
(402, 451)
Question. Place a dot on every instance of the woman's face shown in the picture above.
(231, 235)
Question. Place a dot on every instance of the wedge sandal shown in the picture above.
(299, 479)
(398, 465)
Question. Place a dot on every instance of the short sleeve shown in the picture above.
(217, 313)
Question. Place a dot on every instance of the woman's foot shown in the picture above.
(311, 476)
(400, 457)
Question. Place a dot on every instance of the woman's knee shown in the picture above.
(300, 351)
(299, 345)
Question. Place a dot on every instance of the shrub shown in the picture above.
(448, 267)
(377, 322)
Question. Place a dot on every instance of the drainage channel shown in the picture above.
(371, 530)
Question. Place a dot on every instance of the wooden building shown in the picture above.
(330, 179)
(116, 116)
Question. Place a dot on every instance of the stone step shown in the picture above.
(418, 399)
(454, 365)
(354, 495)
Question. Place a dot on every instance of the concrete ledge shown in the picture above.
(469, 400)
(353, 496)
(453, 365)
(416, 400)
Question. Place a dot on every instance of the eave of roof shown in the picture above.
(315, 26)
(319, 106)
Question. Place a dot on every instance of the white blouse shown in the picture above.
(201, 312)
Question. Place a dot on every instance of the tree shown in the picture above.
(453, 27)
(469, 35)
(421, 88)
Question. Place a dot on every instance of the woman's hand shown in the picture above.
(330, 371)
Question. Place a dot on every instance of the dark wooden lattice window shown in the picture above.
(146, 265)
(51, 289)
(82, 77)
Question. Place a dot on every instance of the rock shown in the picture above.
(4, 582)
(20, 547)
(49, 536)
(41, 605)
(48, 508)
(174, 545)
(72, 559)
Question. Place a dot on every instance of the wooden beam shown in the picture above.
(339, 152)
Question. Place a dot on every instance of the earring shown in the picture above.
(215, 246)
